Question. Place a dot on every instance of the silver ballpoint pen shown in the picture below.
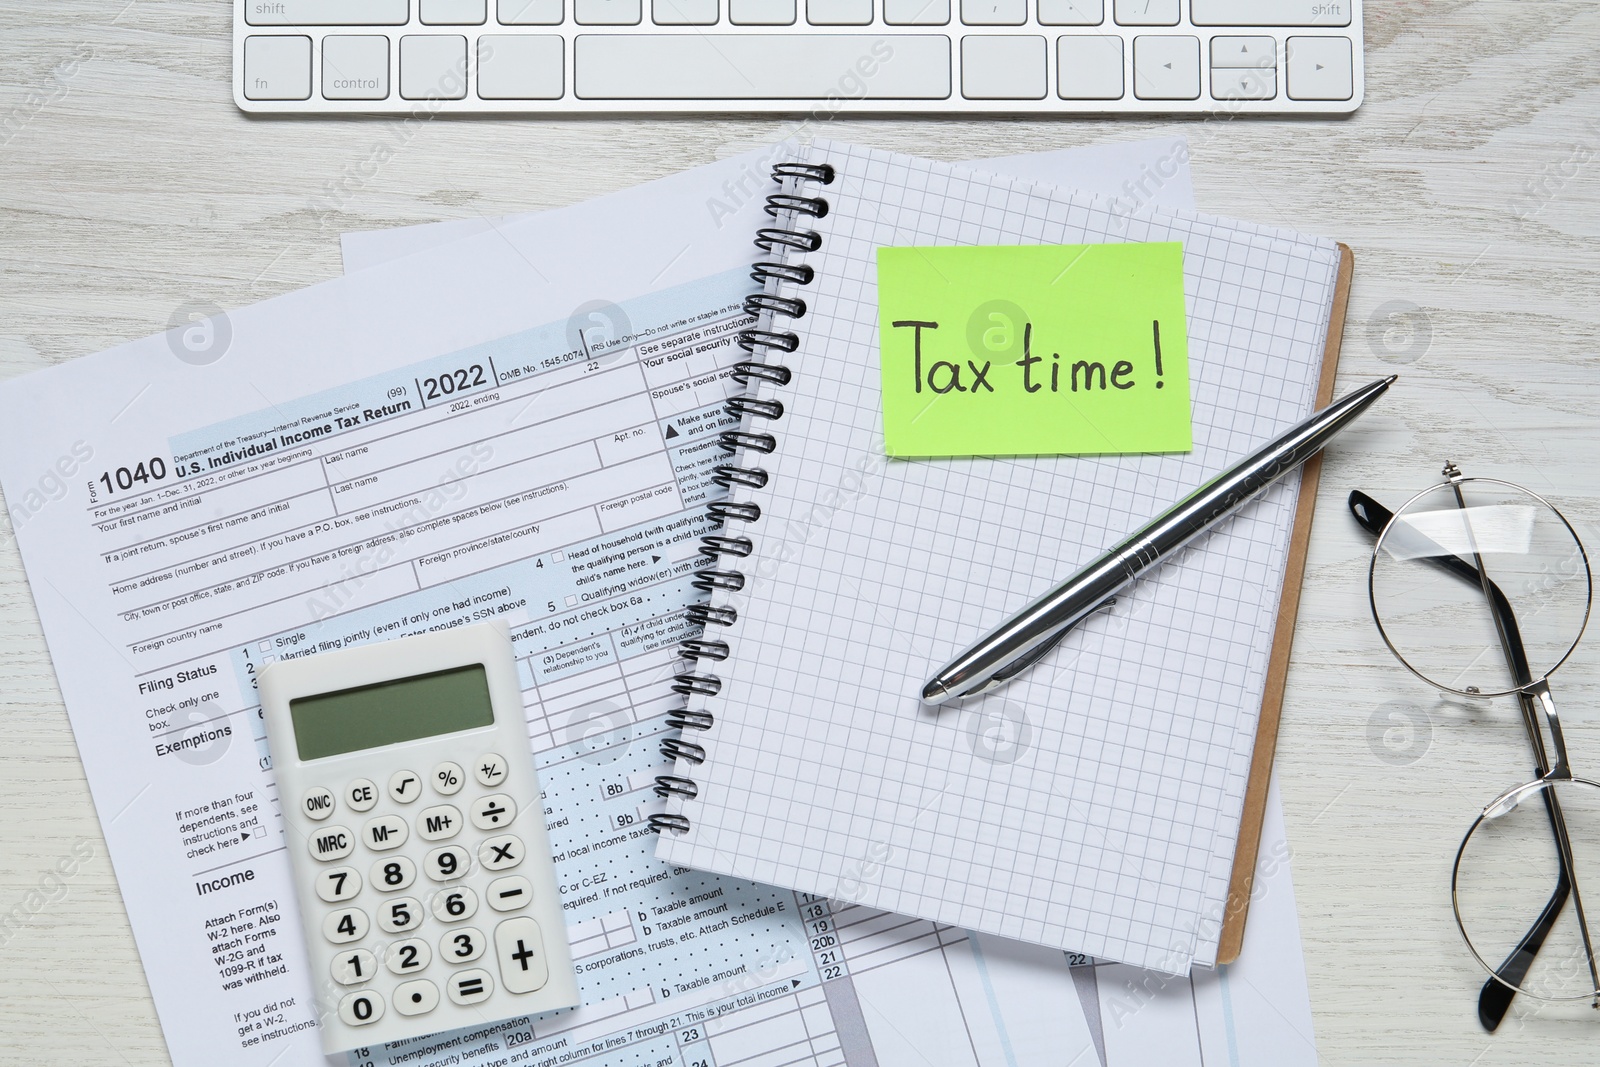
(1024, 638)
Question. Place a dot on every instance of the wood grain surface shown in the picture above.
(1468, 186)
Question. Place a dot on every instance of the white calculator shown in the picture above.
(414, 823)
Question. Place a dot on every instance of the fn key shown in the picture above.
(520, 948)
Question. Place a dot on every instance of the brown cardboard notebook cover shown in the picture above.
(1255, 797)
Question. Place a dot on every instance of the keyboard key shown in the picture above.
(361, 1009)
(509, 894)
(393, 875)
(433, 68)
(408, 956)
(1071, 12)
(453, 13)
(326, 12)
(1269, 13)
(317, 803)
(1244, 84)
(1166, 68)
(529, 13)
(518, 67)
(994, 12)
(354, 68)
(470, 987)
(341, 883)
(493, 811)
(353, 967)
(684, 12)
(1145, 12)
(277, 68)
(759, 66)
(331, 843)
(1320, 68)
(1089, 67)
(1238, 52)
(462, 946)
(595, 13)
(346, 924)
(761, 12)
(416, 998)
(443, 821)
(519, 945)
(1003, 68)
(916, 12)
(448, 777)
(839, 12)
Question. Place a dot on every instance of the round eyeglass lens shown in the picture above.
(1480, 587)
(1523, 900)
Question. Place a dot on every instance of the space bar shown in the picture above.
(761, 66)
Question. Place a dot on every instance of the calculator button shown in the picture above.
(385, 832)
(493, 811)
(331, 843)
(317, 804)
(500, 853)
(470, 987)
(461, 946)
(392, 875)
(490, 769)
(399, 915)
(448, 778)
(443, 864)
(341, 883)
(361, 794)
(354, 967)
(455, 905)
(509, 894)
(347, 924)
(359, 1009)
(404, 787)
(416, 998)
(407, 957)
(438, 823)
(520, 947)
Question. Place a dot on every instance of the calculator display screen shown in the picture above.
(370, 716)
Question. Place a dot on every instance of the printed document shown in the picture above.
(520, 425)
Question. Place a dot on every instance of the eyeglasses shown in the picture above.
(1482, 588)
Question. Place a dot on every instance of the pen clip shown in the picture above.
(1034, 655)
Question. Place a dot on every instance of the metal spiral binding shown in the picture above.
(765, 337)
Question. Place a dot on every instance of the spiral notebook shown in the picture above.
(1096, 804)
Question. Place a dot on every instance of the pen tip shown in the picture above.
(934, 693)
(1391, 379)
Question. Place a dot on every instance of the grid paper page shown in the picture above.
(1093, 804)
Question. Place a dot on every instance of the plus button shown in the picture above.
(522, 955)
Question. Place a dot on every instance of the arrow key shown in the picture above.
(1320, 68)
(1244, 84)
(1166, 68)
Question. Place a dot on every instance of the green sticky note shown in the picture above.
(1033, 350)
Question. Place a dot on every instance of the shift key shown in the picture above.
(326, 12)
(1270, 12)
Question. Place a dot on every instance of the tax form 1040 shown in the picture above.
(529, 440)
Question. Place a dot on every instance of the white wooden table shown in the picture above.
(1468, 185)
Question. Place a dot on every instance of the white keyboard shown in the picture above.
(1279, 57)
